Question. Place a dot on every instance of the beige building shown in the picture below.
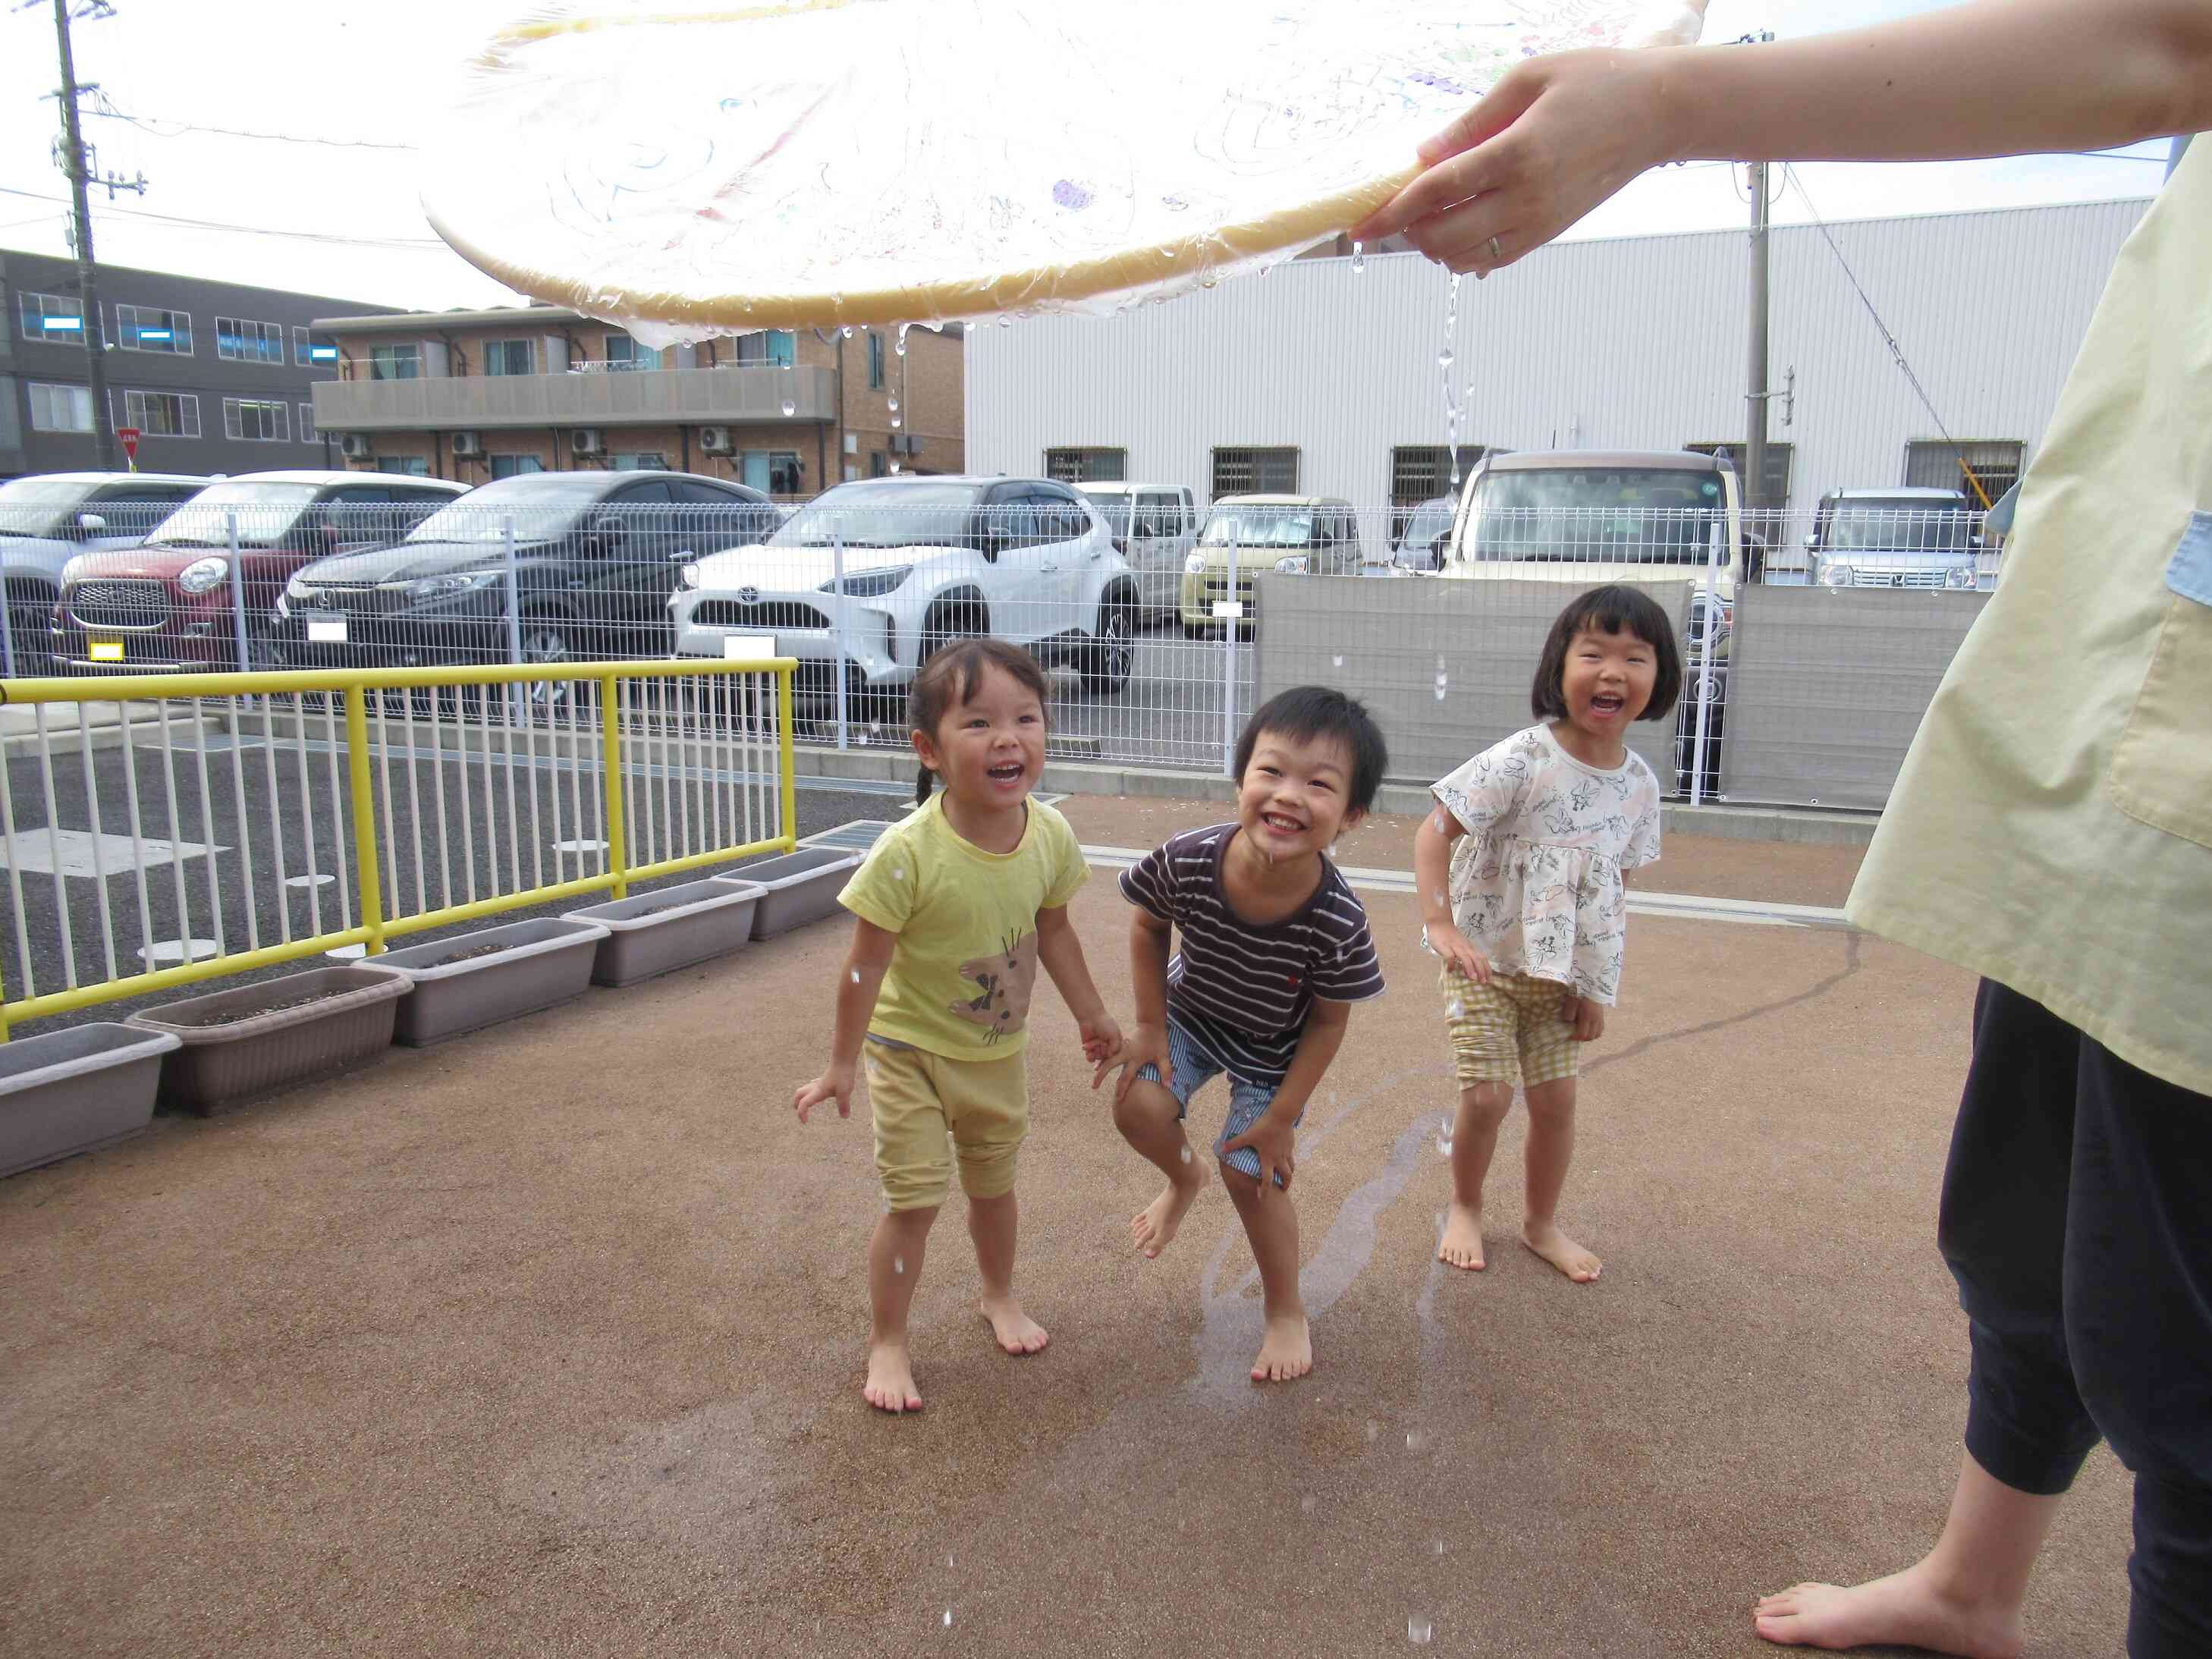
(477, 395)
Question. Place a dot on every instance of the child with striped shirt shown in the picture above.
(1275, 951)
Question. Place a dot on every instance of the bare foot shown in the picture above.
(1562, 1252)
(1153, 1228)
(889, 1386)
(1017, 1332)
(1285, 1351)
(1904, 1609)
(1461, 1245)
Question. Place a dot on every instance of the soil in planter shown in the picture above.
(654, 910)
(469, 955)
(238, 1015)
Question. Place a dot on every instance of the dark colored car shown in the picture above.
(168, 603)
(596, 556)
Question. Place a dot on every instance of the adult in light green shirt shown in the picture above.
(2053, 827)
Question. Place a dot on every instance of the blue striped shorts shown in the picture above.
(1195, 1067)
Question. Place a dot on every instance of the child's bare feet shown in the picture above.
(1461, 1245)
(1153, 1228)
(1562, 1252)
(1017, 1332)
(1907, 1609)
(889, 1386)
(1285, 1351)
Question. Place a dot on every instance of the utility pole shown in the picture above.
(91, 330)
(1755, 391)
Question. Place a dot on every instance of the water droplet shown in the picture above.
(894, 402)
(897, 422)
(1416, 1441)
(898, 872)
(846, 332)
(790, 407)
(785, 368)
(898, 1265)
(1339, 662)
(856, 976)
(895, 467)
(1186, 1154)
(901, 347)
(948, 1559)
(1440, 687)
(1418, 1630)
(1440, 1547)
(1444, 361)
(1359, 259)
(948, 1619)
(1444, 826)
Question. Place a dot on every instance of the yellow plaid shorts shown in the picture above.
(1515, 1025)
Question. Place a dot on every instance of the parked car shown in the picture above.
(1894, 539)
(1421, 543)
(1154, 526)
(1294, 534)
(596, 557)
(48, 519)
(925, 561)
(167, 604)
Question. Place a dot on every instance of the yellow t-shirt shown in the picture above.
(960, 979)
(2053, 827)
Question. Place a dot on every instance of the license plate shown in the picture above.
(748, 647)
(327, 630)
(107, 650)
(1228, 610)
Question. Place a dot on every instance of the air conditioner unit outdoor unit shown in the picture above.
(714, 440)
(906, 443)
(354, 445)
(586, 441)
(466, 444)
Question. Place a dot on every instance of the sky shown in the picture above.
(365, 83)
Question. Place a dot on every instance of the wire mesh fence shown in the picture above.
(1155, 629)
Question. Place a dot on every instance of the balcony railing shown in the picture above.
(753, 396)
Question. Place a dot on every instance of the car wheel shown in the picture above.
(1107, 660)
(950, 621)
(549, 641)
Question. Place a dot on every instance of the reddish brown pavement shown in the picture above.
(549, 1342)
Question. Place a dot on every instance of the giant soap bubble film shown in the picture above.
(687, 170)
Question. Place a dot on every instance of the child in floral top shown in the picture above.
(1531, 932)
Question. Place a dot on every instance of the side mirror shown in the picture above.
(1811, 544)
(608, 527)
(993, 540)
(91, 523)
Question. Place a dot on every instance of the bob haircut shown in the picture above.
(1615, 609)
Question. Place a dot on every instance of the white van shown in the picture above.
(1593, 516)
(1155, 525)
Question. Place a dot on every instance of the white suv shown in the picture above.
(1154, 525)
(925, 561)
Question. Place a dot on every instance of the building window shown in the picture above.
(776, 346)
(249, 421)
(510, 356)
(773, 470)
(1774, 490)
(641, 460)
(1075, 466)
(407, 466)
(60, 408)
(875, 360)
(513, 466)
(162, 414)
(142, 328)
(1935, 465)
(879, 464)
(50, 317)
(622, 352)
(1255, 472)
(313, 350)
(239, 340)
(396, 362)
(1423, 472)
(308, 434)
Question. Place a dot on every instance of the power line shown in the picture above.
(409, 244)
(151, 123)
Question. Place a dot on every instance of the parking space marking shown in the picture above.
(80, 853)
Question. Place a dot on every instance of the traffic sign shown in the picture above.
(128, 436)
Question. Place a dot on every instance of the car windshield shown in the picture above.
(882, 513)
(1431, 519)
(266, 512)
(543, 508)
(1258, 526)
(1597, 515)
(40, 506)
(1899, 529)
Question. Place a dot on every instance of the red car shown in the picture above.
(167, 604)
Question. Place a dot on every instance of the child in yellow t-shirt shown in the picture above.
(957, 909)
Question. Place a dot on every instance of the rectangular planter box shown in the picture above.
(688, 924)
(540, 964)
(217, 1065)
(796, 888)
(72, 1092)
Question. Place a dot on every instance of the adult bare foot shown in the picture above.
(1285, 1351)
(1907, 1609)
(1152, 1229)
(1562, 1252)
(1017, 1332)
(889, 1386)
(1461, 1245)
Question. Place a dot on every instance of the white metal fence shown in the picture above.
(1157, 634)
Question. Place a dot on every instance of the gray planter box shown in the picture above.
(686, 924)
(74, 1091)
(254, 1038)
(537, 964)
(796, 888)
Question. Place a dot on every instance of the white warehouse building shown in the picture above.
(1321, 378)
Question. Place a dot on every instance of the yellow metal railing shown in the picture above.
(374, 927)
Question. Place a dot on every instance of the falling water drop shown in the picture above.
(901, 346)
(898, 1265)
(894, 403)
(790, 407)
(1339, 662)
(1440, 1547)
(846, 332)
(856, 976)
(1186, 1154)
(897, 421)
(1359, 259)
(1418, 1630)
(948, 1619)
(1416, 1441)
